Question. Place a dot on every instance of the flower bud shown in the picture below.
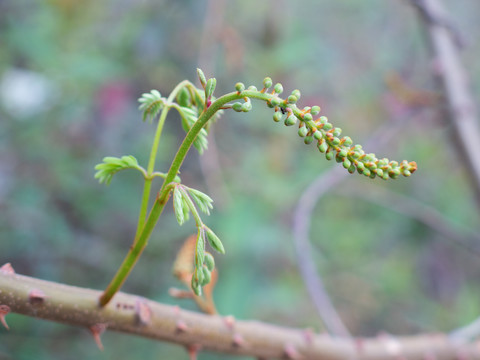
(278, 88)
(267, 82)
(292, 99)
(347, 164)
(318, 135)
(291, 120)
(307, 117)
(252, 88)
(275, 101)
(308, 140)
(347, 141)
(394, 173)
(238, 107)
(296, 93)
(277, 116)
(336, 132)
(315, 110)
(335, 141)
(327, 126)
(323, 147)
(239, 87)
(303, 131)
(246, 107)
(329, 155)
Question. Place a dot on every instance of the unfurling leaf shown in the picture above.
(201, 77)
(209, 261)
(210, 88)
(200, 249)
(150, 104)
(189, 117)
(214, 241)
(207, 275)
(195, 284)
(180, 207)
(111, 165)
(203, 201)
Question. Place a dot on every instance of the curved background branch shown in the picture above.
(460, 108)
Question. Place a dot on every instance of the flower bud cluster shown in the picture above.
(328, 137)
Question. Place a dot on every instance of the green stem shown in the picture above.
(153, 156)
(141, 239)
(136, 249)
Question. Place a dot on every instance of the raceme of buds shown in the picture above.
(314, 128)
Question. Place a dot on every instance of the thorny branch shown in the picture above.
(135, 315)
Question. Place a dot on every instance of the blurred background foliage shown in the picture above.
(70, 74)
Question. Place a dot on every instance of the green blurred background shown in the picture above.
(70, 75)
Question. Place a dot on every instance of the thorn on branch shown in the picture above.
(7, 269)
(291, 353)
(309, 334)
(97, 330)
(143, 313)
(181, 327)
(238, 341)
(4, 311)
(193, 350)
(36, 297)
(229, 321)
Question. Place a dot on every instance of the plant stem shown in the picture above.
(142, 237)
(153, 155)
(136, 249)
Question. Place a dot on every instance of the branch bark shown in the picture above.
(135, 315)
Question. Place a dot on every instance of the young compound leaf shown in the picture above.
(189, 117)
(111, 165)
(207, 275)
(201, 77)
(179, 206)
(150, 104)
(195, 284)
(200, 249)
(214, 241)
(203, 201)
(209, 261)
(210, 88)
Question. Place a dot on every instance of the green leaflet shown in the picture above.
(111, 165)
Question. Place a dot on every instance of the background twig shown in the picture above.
(459, 105)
